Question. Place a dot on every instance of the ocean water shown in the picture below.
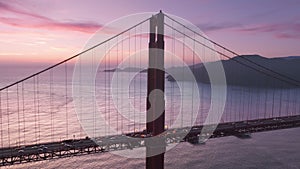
(42, 109)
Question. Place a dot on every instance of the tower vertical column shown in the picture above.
(156, 82)
(151, 73)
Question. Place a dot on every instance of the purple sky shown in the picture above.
(51, 30)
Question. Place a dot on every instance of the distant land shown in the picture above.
(236, 73)
(128, 69)
(240, 75)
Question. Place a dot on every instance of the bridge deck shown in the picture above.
(66, 148)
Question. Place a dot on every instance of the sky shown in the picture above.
(48, 31)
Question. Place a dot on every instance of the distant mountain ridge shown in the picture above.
(127, 69)
(238, 74)
(291, 57)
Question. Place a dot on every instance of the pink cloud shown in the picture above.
(8, 8)
(31, 20)
(210, 27)
(282, 31)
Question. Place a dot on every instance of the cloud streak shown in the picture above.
(26, 19)
(210, 27)
(281, 31)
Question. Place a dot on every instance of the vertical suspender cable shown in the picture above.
(258, 101)
(240, 106)
(172, 113)
(273, 102)
(129, 53)
(265, 91)
(298, 102)
(80, 91)
(140, 77)
(251, 103)
(248, 99)
(134, 88)
(34, 105)
(182, 83)
(266, 100)
(93, 103)
(280, 102)
(24, 121)
(1, 114)
(122, 57)
(18, 110)
(288, 102)
(66, 99)
(203, 90)
(105, 89)
(110, 96)
(95, 90)
(231, 104)
(267, 84)
(295, 101)
(118, 83)
(8, 118)
(38, 107)
(244, 100)
(51, 102)
(193, 84)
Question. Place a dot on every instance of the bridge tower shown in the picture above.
(155, 91)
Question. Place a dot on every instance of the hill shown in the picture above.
(238, 74)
